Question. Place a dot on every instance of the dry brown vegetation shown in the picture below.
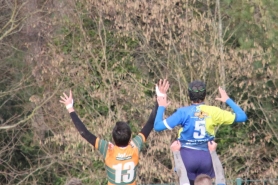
(111, 53)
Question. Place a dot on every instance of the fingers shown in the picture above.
(164, 82)
(166, 86)
(70, 95)
(211, 142)
(64, 99)
(160, 83)
(175, 143)
(163, 85)
(65, 96)
(175, 146)
(219, 89)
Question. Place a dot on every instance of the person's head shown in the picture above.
(74, 181)
(203, 180)
(197, 91)
(121, 134)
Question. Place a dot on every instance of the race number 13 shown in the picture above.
(119, 177)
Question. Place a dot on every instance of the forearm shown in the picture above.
(146, 130)
(218, 169)
(240, 114)
(158, 123)
(91, 138)
(180, 168)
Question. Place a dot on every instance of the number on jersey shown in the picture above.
(200, 129)
(129, 166)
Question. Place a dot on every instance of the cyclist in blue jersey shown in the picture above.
(197, 122)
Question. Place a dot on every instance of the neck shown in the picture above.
(195, 103)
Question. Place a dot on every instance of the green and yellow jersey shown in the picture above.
(121, 162)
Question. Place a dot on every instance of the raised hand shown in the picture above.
(175, 146)
(67, 101)
(162, 87)
(223, 95)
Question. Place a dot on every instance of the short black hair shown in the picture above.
(121, 134)
(197, 91)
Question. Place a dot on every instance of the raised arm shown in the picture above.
(240, 114)
(180, 168)
(146, 130)
(161, 89)
(217, 166)
(68, 102)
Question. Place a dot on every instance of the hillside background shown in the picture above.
(111, 53)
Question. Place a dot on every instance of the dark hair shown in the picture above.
(121, 134)
(203, 179)
(197, 91)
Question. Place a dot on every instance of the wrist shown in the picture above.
(227, 100)
(70, 110)
(158, 93)
(69, 106)
(162, 107)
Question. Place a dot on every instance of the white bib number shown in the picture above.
(200, 129)
(129, 166)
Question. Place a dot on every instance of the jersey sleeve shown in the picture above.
(177, 118)
(102, 146)
(224, 117)
(240, 114)
(138, 141)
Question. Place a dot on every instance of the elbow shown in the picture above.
(242, 118)
(156, 127)
(82, 134)
(245, 118)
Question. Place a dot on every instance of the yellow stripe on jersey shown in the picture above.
(215, 116)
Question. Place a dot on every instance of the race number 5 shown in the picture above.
(200, 129)
(129, 166)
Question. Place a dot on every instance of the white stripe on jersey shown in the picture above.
(166, 124)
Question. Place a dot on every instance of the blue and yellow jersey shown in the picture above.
(121, 162)
(198, 123)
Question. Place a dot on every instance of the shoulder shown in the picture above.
(138, 140)
(184, 109)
